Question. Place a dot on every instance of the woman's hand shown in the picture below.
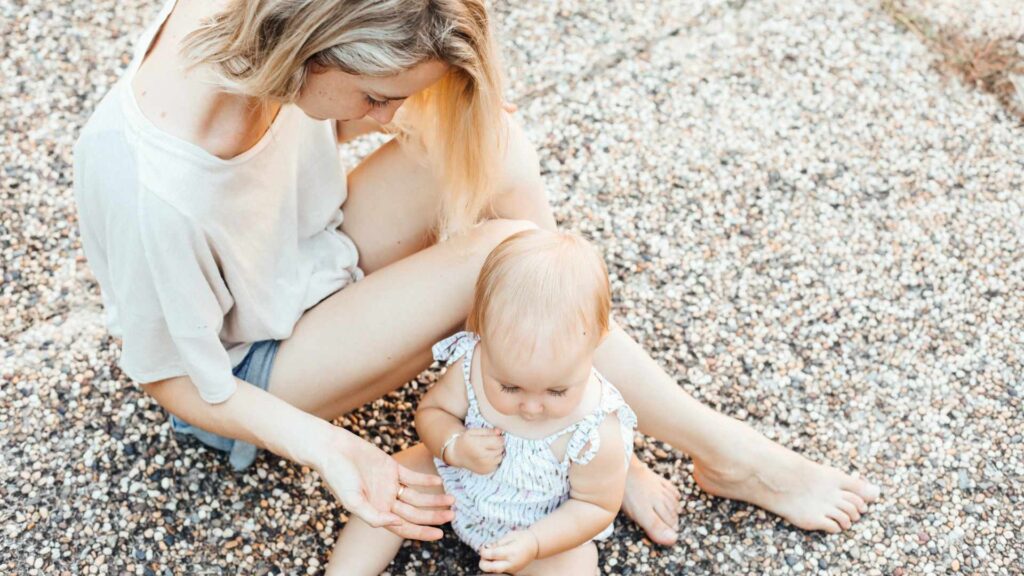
(511, 553)
(367, 481)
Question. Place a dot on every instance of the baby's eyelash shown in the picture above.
(509, 389)
(558, 392)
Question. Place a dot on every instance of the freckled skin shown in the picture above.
(333, 94)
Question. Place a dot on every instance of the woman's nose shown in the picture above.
(385, 114)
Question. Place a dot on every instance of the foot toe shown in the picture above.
(656, 528)
(850, 509)
(831, 526)
(667, 512)
(840, 518)
(671, 488)
(866, 490)
(856, 500)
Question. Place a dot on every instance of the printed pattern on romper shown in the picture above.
(530, 483)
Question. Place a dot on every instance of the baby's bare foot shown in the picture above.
(653, 503)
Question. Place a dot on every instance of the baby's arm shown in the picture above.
(596, 491)
(441, 414)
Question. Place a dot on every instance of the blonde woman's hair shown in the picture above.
(538, 283)
(263, 49)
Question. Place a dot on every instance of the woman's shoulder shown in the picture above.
(184, 102)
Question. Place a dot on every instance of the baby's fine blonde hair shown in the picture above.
(263, 49)
(542, 283)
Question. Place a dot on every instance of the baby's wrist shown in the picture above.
(536, 544)
(448, 449)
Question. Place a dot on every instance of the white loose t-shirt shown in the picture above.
(198, 257)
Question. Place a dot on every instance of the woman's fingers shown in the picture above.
(412, 531)
(421, 500)
(413, 478)
(358, 505)
(422, 516)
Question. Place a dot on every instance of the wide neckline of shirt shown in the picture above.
(142, 123)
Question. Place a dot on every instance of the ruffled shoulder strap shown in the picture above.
(453, 347)
(458, 345)
(585, 441)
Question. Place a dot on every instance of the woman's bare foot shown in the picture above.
(809, 495)
(652, 502)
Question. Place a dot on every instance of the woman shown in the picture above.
(210, 197)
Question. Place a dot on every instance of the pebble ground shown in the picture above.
(805, 223)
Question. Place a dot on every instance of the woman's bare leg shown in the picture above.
(359, 344)
(730, 458)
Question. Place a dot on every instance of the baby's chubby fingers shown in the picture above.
(498, 549)
(500, 567)
(495, 567)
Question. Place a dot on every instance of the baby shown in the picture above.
(531, 441)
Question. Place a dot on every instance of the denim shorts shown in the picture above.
(254, 369)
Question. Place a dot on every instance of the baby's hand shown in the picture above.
(510, 554)
(478, 450)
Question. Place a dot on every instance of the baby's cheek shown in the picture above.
(505, 405)
(561, 408)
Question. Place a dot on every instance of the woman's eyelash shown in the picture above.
(377, 103)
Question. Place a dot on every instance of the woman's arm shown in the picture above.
(364, 478)
(251, 415)
(594, 499)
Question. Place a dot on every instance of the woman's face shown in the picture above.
(330, 94)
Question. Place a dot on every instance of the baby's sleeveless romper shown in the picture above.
(530, 483)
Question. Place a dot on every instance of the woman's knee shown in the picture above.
(488, 234)
(522, 194)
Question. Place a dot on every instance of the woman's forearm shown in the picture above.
(252, 415)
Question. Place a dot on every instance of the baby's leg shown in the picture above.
(363, 549)
(579, 560)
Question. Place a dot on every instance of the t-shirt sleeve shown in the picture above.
(188, 296)
(162, 290)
